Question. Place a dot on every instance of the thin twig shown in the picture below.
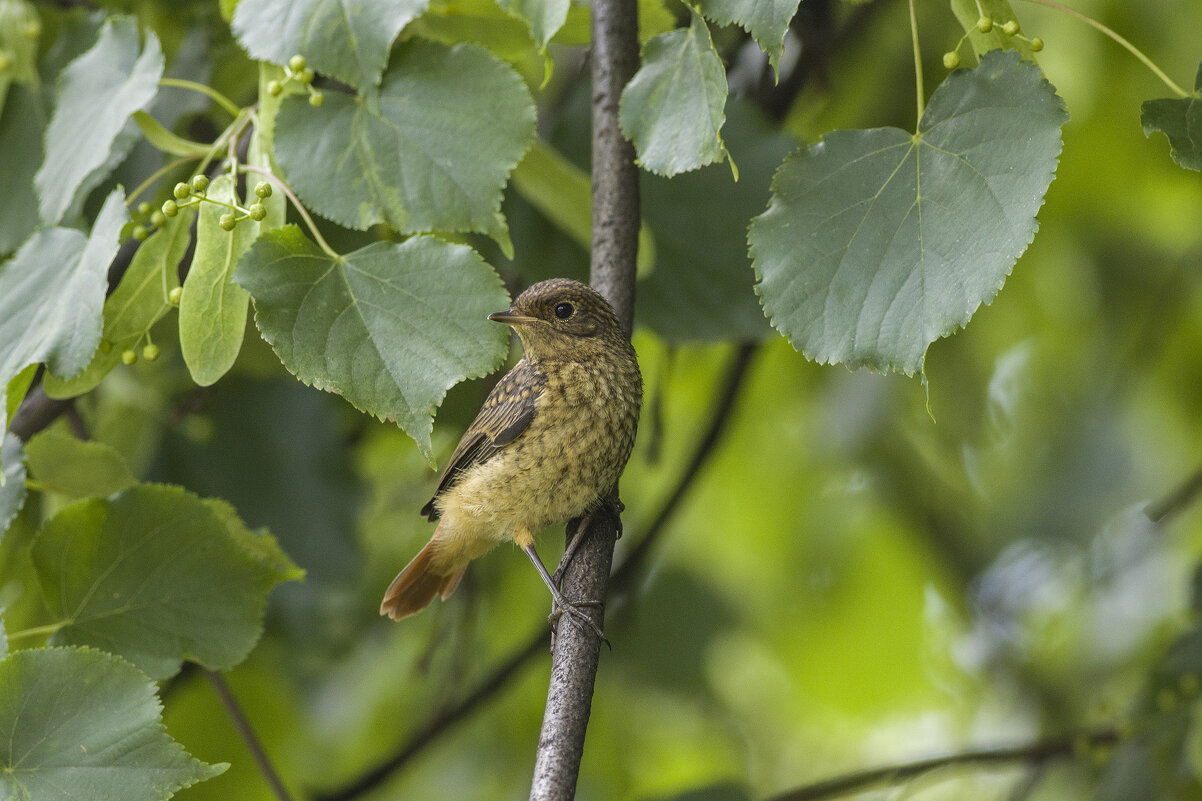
(1034, 753)
(731, 381)
(1177, 500)
(248, 735)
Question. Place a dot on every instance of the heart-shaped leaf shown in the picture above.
(390, 327)
(1180, 119)
(876, 243)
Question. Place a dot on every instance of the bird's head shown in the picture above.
(564, 320)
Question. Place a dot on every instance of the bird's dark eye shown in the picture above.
(564, 310)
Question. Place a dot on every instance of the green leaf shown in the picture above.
(18, 386)
(563, 193)
(79, 469)
(857, 265)
(673, 108)
(21, 125)
(348, 39)
(450, 125)
(82, 132)
(138, 302)
(702, 288)
(80, 723)
(156, 575)
(212, 310)
(545, 17)
(166, 141)
(767, 22)
(389, 327)
(259, 544)
(52, 292)
(12, 479)
(1180, 119)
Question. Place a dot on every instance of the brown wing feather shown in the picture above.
(506, 413)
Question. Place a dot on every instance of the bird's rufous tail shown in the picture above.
(415, 587)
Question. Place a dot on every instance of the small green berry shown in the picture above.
(181, 191)
(1010, 28)
(297, 63)
(1036, 44)
(150, 352)
(306, 76)
(263, 190)
(228, 221)
(143, 209)
(129, 355)
(274, 88)
(257, 211)
(200, 183)
(316, 99)
(158, 219)
(173, 297)
(140, 233)
(170, 208)
(984, 25)
(951, 60)
(106, 346)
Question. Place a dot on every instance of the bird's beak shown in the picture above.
(511, 317)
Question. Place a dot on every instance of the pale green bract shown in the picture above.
(432, 153)
(79, 723)
(876, 243)
(390, 327)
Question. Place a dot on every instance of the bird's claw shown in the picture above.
(574, 613)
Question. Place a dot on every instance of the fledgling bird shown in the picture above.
(547, 446)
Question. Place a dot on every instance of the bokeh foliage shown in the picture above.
(867, 568)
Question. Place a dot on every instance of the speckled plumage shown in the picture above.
(548, 444)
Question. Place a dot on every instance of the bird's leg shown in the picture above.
(612, 508)
(562, 604)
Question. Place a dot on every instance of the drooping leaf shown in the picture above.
(76, 468)
(1180, 119)
(12, 479)
(153, 574)
(51, 295)
(876, 243)
(702, 288)
(766, 20)
(450, 125)
(212, 309)
(348, 39)
(545, 17)
(674, 107)
(138, 302)
(389, 327)
(82, 131)
(80, 723)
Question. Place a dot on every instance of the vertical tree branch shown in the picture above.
(614, 248)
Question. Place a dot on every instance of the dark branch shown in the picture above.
(1033, 753)
(1177, 500)
(37, 411)
(247, 733)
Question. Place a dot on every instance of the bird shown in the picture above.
(546, 447)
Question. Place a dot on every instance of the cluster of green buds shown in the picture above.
(951, 59)
(150, 351)
(297, 70)
(193, 194)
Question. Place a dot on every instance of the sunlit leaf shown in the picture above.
(80, 723)
(876, 243)
(673, 108)
(968, 12)
(82, 131)
(52, 293)
(156, 575)
(1180, 119)
(390, 327)
(138, 302)
(433, 154)
(76, 468)
(348, 39)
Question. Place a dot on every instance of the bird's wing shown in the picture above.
(506, 413)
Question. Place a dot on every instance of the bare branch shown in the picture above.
(248, 735)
